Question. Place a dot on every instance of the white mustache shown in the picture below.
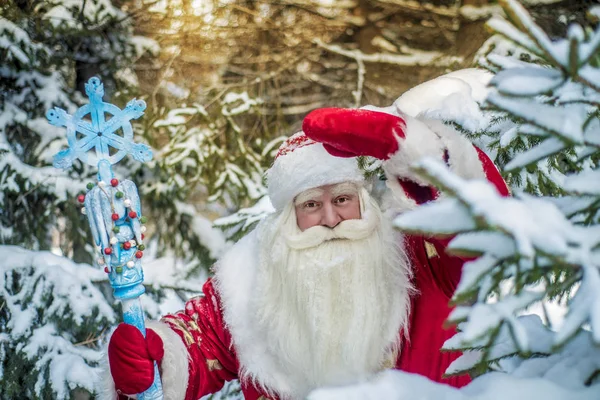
(351, 229)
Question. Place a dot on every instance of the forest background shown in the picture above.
(225, 82)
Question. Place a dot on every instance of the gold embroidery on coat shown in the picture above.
(213, 365)
(188, 337)
(194, 326)
(390, 361)
(430, 250)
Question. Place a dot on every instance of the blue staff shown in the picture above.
(113, 207)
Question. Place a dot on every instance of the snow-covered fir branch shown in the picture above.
(529, 249)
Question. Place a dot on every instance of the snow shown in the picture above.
(212, 238)
(536, 229)
(539, 2)
(475, 270)
(509, 31)
(592, 133)
(97, 11)
(243, 101)
(584, 306)
(397, 385)
(586, 182)
(475, 13)
(16, 35)
(542, 41)
(506, 62)
(455, 96)
(531, 228)
(176, 90)
(37, 288)
(532, 222)
(169, 271)
(70, 284)
(68, 364)
(246, 218)
(145, 44)
(508, 136)
(591, 75)
(568, 367)
(410, 57)
(586, 50)
(485, 317)
(547, 148)
(447, 217)
(75, 296)
(570, 205)
(528, 81)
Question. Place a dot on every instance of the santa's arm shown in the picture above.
(201, 330)
(401, 141)
(197, 356)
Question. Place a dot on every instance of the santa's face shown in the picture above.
(327, 205)
(331, 301)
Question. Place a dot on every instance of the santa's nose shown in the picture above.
(330, 217)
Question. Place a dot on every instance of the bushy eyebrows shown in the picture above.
(310, 194)
(344, 188)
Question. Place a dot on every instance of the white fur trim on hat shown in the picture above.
(304, 167)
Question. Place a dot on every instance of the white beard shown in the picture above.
(332, 303)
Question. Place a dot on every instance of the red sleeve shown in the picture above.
(491, 173)
(446, 270)
(211, 360)
(436, 277)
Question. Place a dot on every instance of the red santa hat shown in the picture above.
(302, 164)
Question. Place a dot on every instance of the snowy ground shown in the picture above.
(398, 385)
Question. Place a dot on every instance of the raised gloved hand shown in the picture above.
(131, 358)
(377, 133)
(347, 132)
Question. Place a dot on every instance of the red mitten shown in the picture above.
(131, 358)
(347, 132)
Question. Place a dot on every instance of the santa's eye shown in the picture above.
(310, 205)
(342, 200)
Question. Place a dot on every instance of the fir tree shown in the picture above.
(53, 311)
(48, 49)
(212, 154)
(535, 246)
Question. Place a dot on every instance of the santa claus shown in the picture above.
(324, 291)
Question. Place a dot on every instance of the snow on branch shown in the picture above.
(399, 385)
(534, 224)
(569, 368)
(412, 57)
(42, 294)
(522, 240)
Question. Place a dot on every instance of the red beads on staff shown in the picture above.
(132, 214)
(115, 216)
(81, 198)
(139, 254)
(114, 182)
(126, 245)
(108, 251)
